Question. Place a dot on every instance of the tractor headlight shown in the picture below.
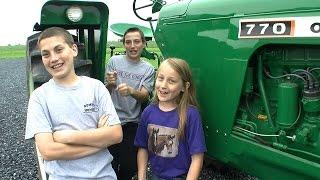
(74, 13)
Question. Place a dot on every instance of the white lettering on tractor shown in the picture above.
(286, 27)
(315, 27)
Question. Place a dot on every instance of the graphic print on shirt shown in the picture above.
(91, 107)
(129, 75)
(163, 140)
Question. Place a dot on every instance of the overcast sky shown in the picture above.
(17, 17)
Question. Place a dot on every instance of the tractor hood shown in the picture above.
(175, 9)
(229, 8)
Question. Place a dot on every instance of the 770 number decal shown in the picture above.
(276, 27)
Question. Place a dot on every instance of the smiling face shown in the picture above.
(134, 45)
(57, 57)
(168, 86)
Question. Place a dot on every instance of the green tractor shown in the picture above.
(256, 64)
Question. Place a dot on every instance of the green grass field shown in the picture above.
(19, 51)
(10, 52)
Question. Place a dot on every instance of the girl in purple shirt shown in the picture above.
(170, 134)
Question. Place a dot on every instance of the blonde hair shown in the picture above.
(186, 98)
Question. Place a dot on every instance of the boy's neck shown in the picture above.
(68, 81)
(133, 60)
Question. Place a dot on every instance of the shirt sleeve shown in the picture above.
(194, 132)
(106, 106)
(37, 118)
(141, 139)
(148, 81)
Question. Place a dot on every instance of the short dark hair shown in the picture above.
(134, 29)
(56, 31)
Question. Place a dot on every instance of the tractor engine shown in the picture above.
(280, 100)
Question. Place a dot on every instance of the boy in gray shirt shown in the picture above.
(130, 82)
(72, 118)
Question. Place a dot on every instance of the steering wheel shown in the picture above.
(156, 6)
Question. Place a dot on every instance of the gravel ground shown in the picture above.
(17, 158)
(223, 172)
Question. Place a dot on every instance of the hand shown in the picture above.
(62, 136)
(103, 121)
(125, 90)
(111, 78)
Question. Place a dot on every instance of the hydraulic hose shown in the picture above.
(263, 92)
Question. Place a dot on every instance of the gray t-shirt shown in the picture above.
(52, 108)
(134, 74)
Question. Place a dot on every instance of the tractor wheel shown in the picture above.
(36, 74)
(32, 56)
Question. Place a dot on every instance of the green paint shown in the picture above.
(287, 109)
(234, 91)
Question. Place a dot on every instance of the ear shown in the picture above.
(75, 50)
(187, 87)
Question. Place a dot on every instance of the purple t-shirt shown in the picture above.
(157, 132)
